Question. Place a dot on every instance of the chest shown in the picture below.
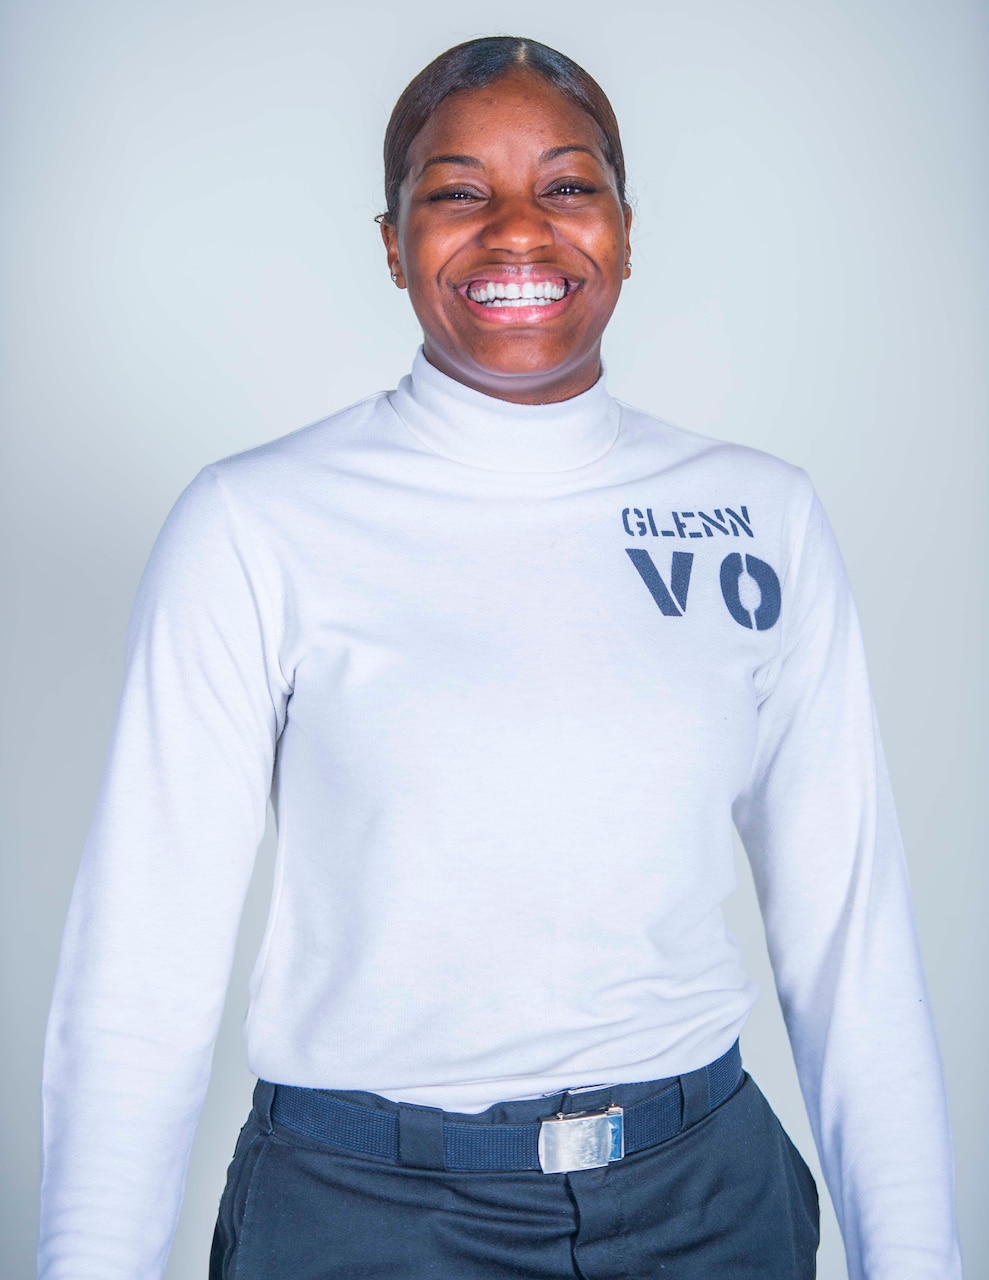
(539, 633)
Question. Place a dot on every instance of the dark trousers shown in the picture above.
(727, 1198)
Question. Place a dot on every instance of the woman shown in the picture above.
(510, 657)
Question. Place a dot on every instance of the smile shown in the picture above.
(517, 301)
(491, 293)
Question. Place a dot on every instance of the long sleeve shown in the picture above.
(819, 826)
(150, 935)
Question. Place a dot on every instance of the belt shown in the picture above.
(559, 1143)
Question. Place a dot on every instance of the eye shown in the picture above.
(459, 195)
(570, 187)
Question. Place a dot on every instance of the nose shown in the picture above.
(516, 225)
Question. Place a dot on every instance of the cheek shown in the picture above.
(424, 251)
(603, 244)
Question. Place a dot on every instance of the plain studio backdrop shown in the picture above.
(190, 267)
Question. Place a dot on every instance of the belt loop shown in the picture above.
(420, 1136)
(264, 1096)
(696, 1097)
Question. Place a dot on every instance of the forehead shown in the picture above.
(520, 111)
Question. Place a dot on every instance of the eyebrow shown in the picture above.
(472, 162)
(554, 152)
(468, 162)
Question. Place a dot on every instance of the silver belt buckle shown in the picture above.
(581, 1140)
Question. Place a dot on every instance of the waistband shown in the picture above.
(638, 1116)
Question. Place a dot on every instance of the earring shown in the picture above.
(628, 265)
(394, 277)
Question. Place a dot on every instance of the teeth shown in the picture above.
(521, 302)
(510, 294)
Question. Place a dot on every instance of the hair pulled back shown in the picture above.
(477, 63)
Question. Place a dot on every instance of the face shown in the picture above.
(511, 240)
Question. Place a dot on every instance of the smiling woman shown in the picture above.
(495, 1016)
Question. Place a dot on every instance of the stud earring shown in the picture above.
(394, 277)
(628, 265)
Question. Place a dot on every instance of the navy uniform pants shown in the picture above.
(727, 1198)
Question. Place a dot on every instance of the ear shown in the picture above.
(628, 241)
(390, 237)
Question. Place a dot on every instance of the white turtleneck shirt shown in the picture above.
(509, 674)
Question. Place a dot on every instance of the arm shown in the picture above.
(820, 829)
(151, 929)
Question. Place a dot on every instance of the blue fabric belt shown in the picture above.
(459, 1145)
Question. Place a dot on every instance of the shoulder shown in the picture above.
(696, 469)
(689, 448)
(281, 462)
(229, 499)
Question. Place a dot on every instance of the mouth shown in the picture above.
(511, 299)
(508, 293)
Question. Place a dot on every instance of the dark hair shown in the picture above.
(473, 65)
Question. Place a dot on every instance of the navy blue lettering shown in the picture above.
(769, 585)
(731, 572)
(766, 615)
(742, 519)
(710, 521)
(679, 579)
(680, 576)
(640, 526)
(729, 522)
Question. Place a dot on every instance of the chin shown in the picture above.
(522, 354)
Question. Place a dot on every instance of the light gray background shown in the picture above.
(190, 267)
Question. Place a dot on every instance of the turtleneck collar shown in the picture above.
(483, 431)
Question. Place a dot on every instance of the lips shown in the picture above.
(522, 297)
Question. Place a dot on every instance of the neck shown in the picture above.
(468, 425)
(521, 387)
